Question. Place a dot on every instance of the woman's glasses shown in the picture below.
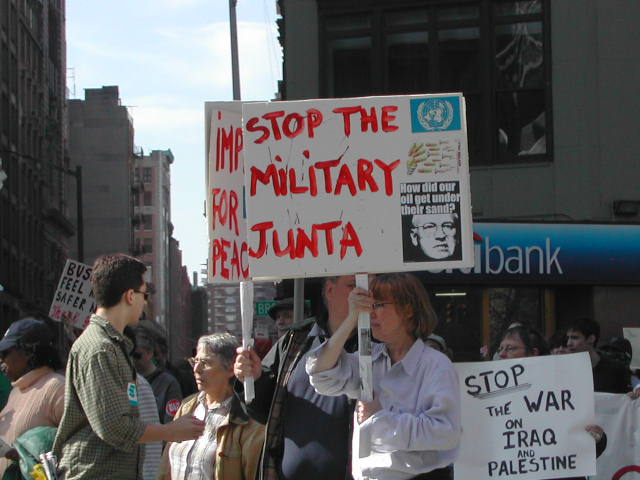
(206, 362)
(379, 305)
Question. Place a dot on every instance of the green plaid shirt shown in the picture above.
(99, 431)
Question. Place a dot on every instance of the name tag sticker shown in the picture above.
(132, 394)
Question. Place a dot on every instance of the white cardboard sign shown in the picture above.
(619, 417)
(525, 418)
(73, 301)
(225, 208)
(373, 184)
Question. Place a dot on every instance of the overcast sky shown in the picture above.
(168, 57)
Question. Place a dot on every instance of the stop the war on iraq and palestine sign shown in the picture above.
(525, 418)
(373, 184)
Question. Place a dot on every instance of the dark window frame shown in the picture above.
(487, 91)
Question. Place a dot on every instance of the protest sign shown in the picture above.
(525, 418)
(619, 417)
(373, 184)
(633, 335)
(227, 259)
(73, 301)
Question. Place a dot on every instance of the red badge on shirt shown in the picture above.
(172, 406)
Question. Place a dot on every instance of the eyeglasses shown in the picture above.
(136, 355)
(146, 294)
(509, 349)
(430, 229)
(379, 305)
(206, 362)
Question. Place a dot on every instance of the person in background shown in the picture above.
(412, 425)
(491, 353)
(101, 429)
(149, 414)
(282, 315)
(521, 342)
(165, 386)
(181, 370)
(608, 376)
(29, 360)
(229, 448)
(307, 434)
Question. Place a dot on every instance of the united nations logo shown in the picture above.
(435, 114)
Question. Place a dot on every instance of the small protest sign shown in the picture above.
(73, 301)
(373, 184)
(525, 418)
(225, 209)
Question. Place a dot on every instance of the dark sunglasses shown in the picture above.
(146, 294)
(136, 355)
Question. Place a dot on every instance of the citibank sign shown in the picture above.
(551, 253)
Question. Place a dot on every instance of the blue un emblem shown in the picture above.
(436, 114)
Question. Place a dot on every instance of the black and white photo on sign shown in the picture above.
(430, 221)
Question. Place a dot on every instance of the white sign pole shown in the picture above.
(246, 306)
(366, 365)
(364, 346)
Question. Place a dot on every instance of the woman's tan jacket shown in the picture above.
(239, 443)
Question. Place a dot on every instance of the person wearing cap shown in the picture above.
(282, 315)
(29, 360)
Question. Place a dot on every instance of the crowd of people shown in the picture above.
(122, 411)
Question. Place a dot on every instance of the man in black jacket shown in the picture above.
(608, 376)
(308, 434)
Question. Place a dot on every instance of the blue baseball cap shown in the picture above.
(26, 331)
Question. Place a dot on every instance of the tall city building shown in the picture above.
(153, 228)
(34, 223)
(552, 113)
(101, 142)
(180, 328)
(224, 310)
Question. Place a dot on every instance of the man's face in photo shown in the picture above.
(434, 234)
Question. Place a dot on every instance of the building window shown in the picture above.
(496, 53)
(146, 175)
(147, 199)
(147, 222)
(147, 245)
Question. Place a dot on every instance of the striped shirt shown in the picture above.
(195, 459)
(149, 415)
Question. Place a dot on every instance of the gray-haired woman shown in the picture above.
(230, 446)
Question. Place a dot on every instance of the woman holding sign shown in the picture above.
(411, 429)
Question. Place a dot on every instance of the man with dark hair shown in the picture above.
(308, 435)
(101, 430)
(608, 376)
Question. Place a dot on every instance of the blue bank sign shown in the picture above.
(594, 254)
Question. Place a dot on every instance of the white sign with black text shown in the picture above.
(525, 418)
